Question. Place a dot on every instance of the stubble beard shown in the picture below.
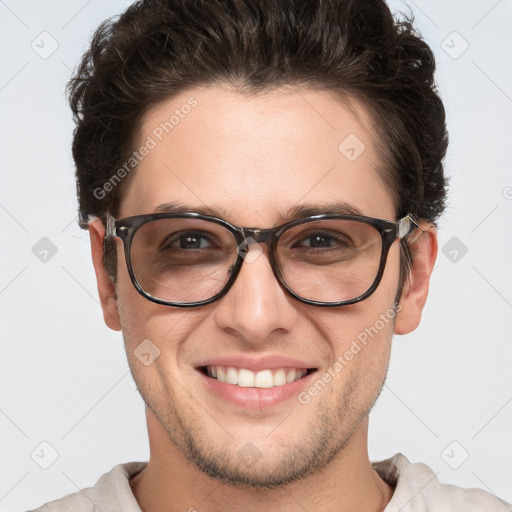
(325, 438)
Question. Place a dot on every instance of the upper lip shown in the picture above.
(255, 364)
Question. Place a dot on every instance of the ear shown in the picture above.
(106, 288)
(415, 292)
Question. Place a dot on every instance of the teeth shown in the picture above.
(221, 374)
(231, 376)
(279, 378)
(264, 379)
(245, 378)
(249, 379)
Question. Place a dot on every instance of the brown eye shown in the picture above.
(188, 241)
(321, 241)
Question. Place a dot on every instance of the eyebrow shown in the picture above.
(294, 213)
(309, 210)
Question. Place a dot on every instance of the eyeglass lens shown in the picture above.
(185, 260)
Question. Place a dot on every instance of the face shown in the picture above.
(253, 159)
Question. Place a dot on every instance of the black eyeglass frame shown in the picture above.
(125, 229)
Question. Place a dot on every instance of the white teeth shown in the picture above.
(221, 374)
(245, 378)
(279, 378)
(231, 375)
(264, 379)
(248, 379)
(290, 376)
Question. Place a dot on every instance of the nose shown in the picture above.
(256, 307)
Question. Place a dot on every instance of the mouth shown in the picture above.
(263, 379)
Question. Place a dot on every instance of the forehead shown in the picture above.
(254, 157)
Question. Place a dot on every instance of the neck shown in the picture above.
(171, 483)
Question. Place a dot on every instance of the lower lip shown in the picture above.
(256, 398)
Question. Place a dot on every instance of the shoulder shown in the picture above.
(417, 489)
(111, 492)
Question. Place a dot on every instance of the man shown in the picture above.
(261, 182)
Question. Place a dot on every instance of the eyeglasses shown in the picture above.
(190, 259)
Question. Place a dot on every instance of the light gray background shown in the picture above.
(63, 374)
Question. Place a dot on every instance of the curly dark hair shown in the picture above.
(356, 49)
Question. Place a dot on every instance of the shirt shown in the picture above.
(417, 489)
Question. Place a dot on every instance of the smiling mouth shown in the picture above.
(268, 378)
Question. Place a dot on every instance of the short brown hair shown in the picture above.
(354, 48)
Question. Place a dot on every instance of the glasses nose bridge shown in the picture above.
(261, 236)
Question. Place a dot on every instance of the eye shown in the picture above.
(322, 240)
(188, 241)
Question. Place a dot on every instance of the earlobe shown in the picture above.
(106, 288)
(415, 292)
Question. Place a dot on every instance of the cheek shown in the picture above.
(153, 333)
(166, 327)
(362, 336)
(361, 359)
(359, 336)
(154, 329)
(142, 319)
(154, 338)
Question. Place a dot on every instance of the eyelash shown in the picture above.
(166, 244)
